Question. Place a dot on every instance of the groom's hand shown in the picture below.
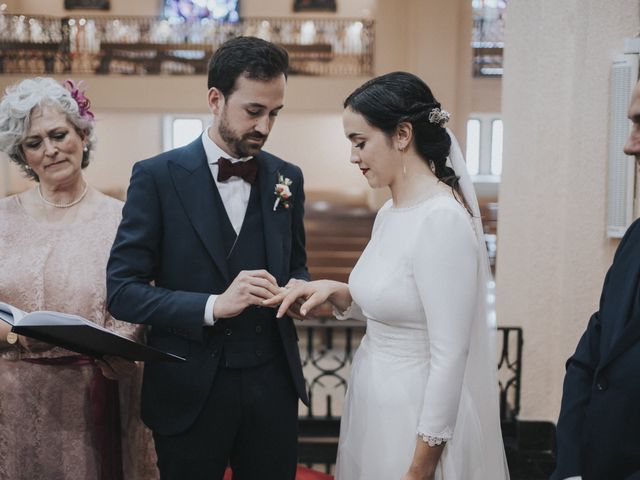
(250, 287)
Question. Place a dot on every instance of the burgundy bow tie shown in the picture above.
(246, 170)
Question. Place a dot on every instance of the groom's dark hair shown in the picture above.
(252, 57)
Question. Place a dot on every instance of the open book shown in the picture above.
(79, 335)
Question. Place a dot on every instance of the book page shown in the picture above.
(10, 314)
(41, 318)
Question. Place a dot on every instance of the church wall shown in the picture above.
(552, 246)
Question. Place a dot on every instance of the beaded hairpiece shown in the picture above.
(439, 117)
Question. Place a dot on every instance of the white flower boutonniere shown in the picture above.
(282, 192)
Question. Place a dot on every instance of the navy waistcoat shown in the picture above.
(251, 338)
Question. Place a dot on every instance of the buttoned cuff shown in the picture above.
(209, 319)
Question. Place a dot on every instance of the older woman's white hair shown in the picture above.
(20, 102)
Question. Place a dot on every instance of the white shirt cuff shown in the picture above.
(573, 478)
(209, 319)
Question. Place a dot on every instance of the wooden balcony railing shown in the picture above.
(34, 44)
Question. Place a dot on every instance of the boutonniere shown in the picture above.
(282, 192)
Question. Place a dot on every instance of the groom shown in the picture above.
(203, 240)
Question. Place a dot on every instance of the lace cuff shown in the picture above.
(439, 439)
(346, 314)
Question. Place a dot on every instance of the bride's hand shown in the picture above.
(308, 294)
(414, 476)
(425, 461)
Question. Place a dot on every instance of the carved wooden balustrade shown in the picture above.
(35, 44)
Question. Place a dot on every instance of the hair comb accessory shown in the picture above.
(83, 102)
(439, 117)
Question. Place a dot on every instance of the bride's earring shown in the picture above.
(404, 165)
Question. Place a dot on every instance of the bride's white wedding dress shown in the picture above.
(425, 366)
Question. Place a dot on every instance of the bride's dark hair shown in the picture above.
(389, 100)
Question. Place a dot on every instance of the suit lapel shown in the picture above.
(196, 189)
(629, 334)
(623, 306)
(274, 222)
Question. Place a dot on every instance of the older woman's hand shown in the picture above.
(116, 368)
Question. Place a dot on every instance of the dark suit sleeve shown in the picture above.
(134, 263)
(576, 394)
(578, 381)
(298, 263)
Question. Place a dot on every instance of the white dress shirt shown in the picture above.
(235, 198)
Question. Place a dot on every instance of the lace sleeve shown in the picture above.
(130, 330)
(432, 440)
(445, 271)
(353, 311)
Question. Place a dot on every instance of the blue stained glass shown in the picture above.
(193, 10)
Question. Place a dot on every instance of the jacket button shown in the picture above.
(258, 329)
(602, 385)
(258, 352)
(227, 331)
(214, 353)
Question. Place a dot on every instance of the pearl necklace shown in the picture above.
(64, 205)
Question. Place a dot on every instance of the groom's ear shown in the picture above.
(216, 100)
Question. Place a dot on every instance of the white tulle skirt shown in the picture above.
(382, 408)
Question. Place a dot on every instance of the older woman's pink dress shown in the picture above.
(45, 410)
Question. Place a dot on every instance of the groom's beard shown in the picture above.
(247, 145)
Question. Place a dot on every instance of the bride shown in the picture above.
(422, 401)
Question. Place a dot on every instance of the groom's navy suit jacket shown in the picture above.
(169, 256)
(598, 433)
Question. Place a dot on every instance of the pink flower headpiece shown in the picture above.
(83, 102)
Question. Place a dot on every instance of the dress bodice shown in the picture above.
(383, 282)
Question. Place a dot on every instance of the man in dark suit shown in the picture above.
(598, 432)
(204, 239)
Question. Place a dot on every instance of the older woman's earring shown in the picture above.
(85, 149)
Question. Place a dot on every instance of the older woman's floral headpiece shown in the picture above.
(83, 102)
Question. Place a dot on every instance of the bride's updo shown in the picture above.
(398, 97)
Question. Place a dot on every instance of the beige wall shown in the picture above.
(250, 8)
(552, 246)
(284, 8)
(56, 7)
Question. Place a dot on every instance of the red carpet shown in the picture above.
(302, 474)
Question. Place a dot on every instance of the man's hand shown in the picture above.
(116, 368)
(250, 287)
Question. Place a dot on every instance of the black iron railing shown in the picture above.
(35, 44)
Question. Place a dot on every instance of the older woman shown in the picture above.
(58, 412)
